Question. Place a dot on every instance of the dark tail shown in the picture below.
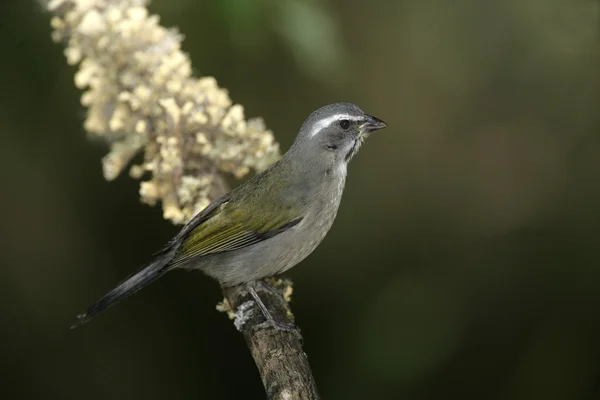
(129, 286)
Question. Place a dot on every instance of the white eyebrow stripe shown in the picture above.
(325, 122)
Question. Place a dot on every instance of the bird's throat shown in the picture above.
(354, 149)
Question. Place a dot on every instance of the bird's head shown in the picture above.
(335, 132)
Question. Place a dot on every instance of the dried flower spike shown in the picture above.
(141, 96)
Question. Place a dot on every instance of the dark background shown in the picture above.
(464, 259)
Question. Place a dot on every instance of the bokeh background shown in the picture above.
(464, 262)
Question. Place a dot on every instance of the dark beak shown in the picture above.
(372, 124)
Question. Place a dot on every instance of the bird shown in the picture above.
(271, 222)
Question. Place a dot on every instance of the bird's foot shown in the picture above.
(269, 320)
(278, 326)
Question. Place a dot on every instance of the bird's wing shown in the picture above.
(227, 228)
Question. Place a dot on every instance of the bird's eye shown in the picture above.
(344, 124)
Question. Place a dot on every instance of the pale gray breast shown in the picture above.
(304, 238)
(321, 216)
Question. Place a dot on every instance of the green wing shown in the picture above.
(226, 228)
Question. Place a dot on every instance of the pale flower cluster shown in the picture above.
(141, 97)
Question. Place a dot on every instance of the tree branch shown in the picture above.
(281, 361)
(141, 97)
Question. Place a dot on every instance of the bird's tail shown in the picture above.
(129, 286)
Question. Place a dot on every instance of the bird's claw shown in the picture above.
(278, 326)
(269, 320)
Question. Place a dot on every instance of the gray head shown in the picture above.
(334, 133)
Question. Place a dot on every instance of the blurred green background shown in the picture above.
(464, 262)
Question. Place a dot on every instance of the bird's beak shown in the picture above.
(371, 124)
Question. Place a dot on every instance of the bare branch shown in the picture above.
(282, 363)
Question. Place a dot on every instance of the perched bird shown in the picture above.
(271, 222)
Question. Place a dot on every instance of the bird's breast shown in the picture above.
(321, 214)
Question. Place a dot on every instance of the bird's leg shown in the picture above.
(264, 286)
(265, 312)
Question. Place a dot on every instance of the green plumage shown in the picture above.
(230, 227)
